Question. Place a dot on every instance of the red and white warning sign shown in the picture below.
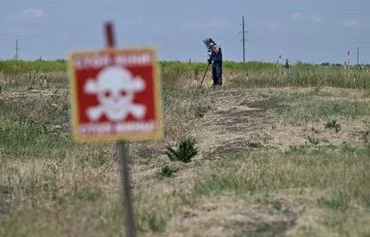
(115, 94)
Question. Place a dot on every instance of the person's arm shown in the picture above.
(209, 55)
(216, 48)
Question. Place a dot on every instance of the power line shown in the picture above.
(243, 39)
(27, 36)
(21, 21)
(332, 12)
(308, 46)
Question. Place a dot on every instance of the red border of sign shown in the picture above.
(158, 134)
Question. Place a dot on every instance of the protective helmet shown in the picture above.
(208, 42)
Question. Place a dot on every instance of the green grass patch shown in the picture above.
(268, 171)
(156, 222)
(226, 183)
(41, 109)
(30, 139)
(84, 194)
(297, 109)
(166, 171)
(305, 75)
(336, 202)
(22, 66)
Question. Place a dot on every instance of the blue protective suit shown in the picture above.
(215, 58)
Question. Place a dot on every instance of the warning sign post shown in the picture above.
(115, 95)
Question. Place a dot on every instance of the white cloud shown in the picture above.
(220, 23)
(350, 23)
(28, 14)
(31, 13)
(138, 20)
(316, 17)
(313, 16)
(272, 25)
(297, 15)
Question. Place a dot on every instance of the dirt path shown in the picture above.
(240, 121)
(237, 122)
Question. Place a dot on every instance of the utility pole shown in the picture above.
(16, 50)
(358, 56)
(348, 58)
(244, 39)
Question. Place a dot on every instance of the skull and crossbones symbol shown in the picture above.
(115, 88)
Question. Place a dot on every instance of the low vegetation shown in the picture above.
(166, 171)
(274, 152)
(184, 153)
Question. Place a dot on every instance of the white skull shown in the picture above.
(115, 88)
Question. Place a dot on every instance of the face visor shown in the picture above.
(208, 43)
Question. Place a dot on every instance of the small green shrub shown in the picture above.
(333, 124)
(166, 171)
(268, 201)
(156, 222)
(98, 159)
(365, 135)
(185, 152)
(336, 202)
(254, 144)
(201, 110)
(367, 203)
(313, 140)
(84, 194)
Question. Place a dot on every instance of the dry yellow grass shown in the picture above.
(267, 166)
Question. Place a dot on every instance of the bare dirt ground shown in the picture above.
(221, 218)
(240, 121)
(236, 120)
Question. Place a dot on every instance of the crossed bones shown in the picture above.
(115, 88)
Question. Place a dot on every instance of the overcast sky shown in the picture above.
(311, 31)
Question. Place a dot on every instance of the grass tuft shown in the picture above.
(185, 151)
(166, 171)
(333, 124)
(156, 222)
(336, 203)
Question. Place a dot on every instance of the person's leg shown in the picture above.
(214, 73)
(218, 73)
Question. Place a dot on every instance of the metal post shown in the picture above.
(358, 56)
(16, 49)
(123, 155)
(348, 58)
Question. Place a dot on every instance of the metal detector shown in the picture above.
(204, 75)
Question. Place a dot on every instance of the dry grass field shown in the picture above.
(280, 153)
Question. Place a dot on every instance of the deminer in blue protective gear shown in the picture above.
(215, 58)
